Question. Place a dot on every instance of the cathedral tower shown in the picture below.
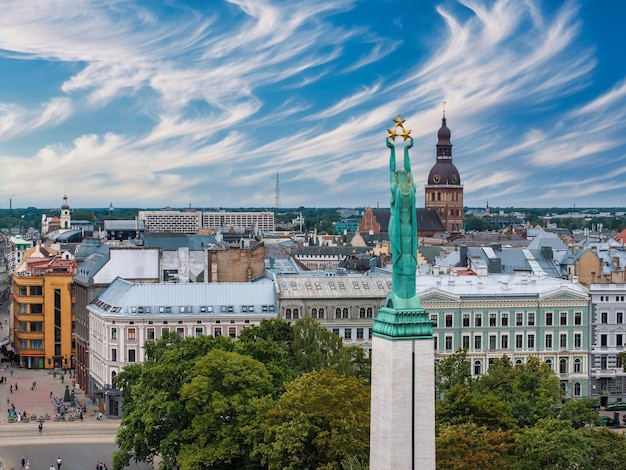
(66, 220)
(444, 191)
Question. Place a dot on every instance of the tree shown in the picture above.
(580, 412)
(461, 406)
(470, 446)
(532, 389)
(154, 414)
(553, 444)
(452, 370)
(226, 392)
(313, 346)
(320, 420)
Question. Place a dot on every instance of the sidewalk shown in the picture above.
(35, 401)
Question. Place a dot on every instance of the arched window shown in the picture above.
(577, 366)
(577, 389)
(563, 366)
(288, 314)
(563, 386)
(362, 312)
(478, 367)
(345, 313)
(369, 312)
(296, 314)
(320, 313)
(549, 362)
(313, 313)
(113, 374)
(518, 362)
(337, 313)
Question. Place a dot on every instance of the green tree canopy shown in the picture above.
(452, 370)
(320, 420)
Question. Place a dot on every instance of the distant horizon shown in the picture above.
(166, 103)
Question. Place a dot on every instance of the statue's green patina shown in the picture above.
(402, 315)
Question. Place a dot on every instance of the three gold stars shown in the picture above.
(404, 133)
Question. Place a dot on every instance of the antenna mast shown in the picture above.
(277, 195)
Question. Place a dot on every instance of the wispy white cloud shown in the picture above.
(232, 93)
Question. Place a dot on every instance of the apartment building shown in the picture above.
(192, 221)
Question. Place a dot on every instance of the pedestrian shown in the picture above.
(16, 386)
(11, 388)
(51, 467)
(40, 426)
(50, 394)
(23, 461)
(104, 466)
(59, 462)
(11, 372)
(34, 384)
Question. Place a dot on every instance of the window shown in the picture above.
(548, 341)
(603, 340)
(563, 341)
(232, 332)
(36, 344)
(493, 319)
(604, 317)
(36, 308)
(577, 340)
(288, 314)
(577, 366)
(433, 320)
(466, 341)
(466, 319)
(492, 341)
(181, 332)
(23, 290)
(477, 368)
(362, 312)
(578, 318)
(114, 355)
(198, 331)
(131, 355)
(563, 319)
(604, 362)
(150, 333)
(577, 389)
(530, 341)
(548, 318)
(113, 333)
(448, 321)
(36, 290)
(519, 319)
(347, 333)
(217, 331)
(345, 313)
(370, 312)
(359, 333)
(519, 341)
(164, 330)
(562, 366)
(36, 326)
(22, 308)
(478, 320)
(336, 331)
(549, 362)
(448, 343)
(337, 313)
(504, 320)
(478, 342)
(531, 318)
(435, 342)
(131, 333)
(504, 342)
(619, 340)
(619, 317)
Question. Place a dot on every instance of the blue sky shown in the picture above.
(201, 103)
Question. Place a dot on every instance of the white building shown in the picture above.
(126, 315)
(192, 221)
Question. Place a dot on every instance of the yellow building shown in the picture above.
(42, 310)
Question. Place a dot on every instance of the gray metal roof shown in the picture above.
(92, 264)
(127, 225)
(124, 298)
(302, 287)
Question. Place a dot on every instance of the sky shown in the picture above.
(206, 104)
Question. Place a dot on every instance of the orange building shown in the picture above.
(43, 310)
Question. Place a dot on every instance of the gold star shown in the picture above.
(392, 134)
(406, 134)
(399, 121)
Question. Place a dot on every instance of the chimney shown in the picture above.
(546, 251)
(463, 253)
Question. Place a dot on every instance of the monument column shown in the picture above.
(402, 428)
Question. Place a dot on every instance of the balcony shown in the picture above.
(606, 373)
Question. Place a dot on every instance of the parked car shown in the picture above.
(616, 406)
(608, 421)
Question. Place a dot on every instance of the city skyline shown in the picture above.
(202, 104)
